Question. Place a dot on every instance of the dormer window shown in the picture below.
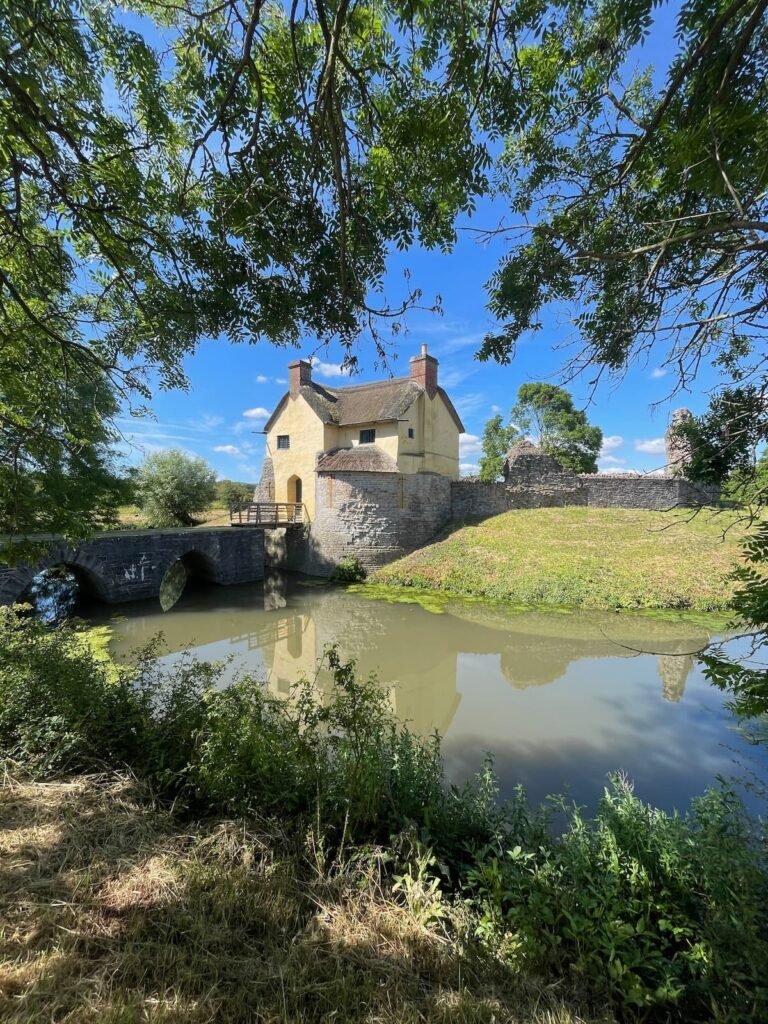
(367, 436)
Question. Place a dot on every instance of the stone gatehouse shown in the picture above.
(376, 467)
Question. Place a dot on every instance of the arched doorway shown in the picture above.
(295, 489)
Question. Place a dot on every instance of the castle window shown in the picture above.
(283, 441)
(367, 436)
(411, 433)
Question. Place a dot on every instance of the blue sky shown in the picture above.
(233, 388)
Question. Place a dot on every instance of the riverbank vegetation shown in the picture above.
(305, 857)
(583, 557)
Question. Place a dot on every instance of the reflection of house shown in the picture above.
(406, 425)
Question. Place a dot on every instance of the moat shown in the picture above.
(560, 699)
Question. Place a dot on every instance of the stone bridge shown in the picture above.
(129, 565)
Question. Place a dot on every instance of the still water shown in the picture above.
(560, 699)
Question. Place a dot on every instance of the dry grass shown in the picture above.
(111, 912)
(583, 557)
(129, 517)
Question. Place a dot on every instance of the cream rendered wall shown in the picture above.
(435, 448)
(307, 434)
(387, 436)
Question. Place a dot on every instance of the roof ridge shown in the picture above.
(370, 384)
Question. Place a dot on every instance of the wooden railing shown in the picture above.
(266, 513)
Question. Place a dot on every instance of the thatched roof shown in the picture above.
(364, 458)
(381, 402)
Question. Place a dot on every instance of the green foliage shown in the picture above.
(59, 708)
(746, 680)
(545, 413)
(650, 916)
(655, 915)
(171, 487)
(497, 440)
(349, 570)
(230, 492)
(245, 180)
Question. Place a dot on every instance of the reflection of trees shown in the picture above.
(412, 652)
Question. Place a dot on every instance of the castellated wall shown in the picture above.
(629, 490)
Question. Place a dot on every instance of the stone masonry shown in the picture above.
(631, 490)
(130, 565)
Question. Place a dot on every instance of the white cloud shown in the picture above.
(259, 413)
(280, 380)
(611, 443)
(657, 372)
(227, 449)
(495, 409)
(653, 446)
(211, 422)
(473, 340)
(611, 460)
(261, 379)
(468, 469)
(469, 444)
(328, 369)
(467, 404)
(617, 469)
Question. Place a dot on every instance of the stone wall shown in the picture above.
(265, 488)
(130, 565)
(629, 490)
(474, 499)
(374, 517)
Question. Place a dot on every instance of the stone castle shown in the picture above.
(376, 468)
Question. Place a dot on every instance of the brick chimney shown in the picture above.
(299, 373)
(424, 371)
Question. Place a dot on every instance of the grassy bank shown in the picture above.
(582, 557)
(114, 911)
(348, 882)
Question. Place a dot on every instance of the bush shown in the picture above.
(171, 488)
(349, 570)
(655, 915)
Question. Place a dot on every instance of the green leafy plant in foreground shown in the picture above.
(652, 916)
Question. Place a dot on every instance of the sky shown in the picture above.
(234, 388)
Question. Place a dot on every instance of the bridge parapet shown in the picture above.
(129, 565)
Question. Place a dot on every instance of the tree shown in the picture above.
(231, 491)
(644, 209)
(246, 181)
(546, 413)
(496, 442)
(171, 487)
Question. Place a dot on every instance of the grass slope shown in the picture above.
(113, 912)
(582, 557)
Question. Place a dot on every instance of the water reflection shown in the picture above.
(560, 699)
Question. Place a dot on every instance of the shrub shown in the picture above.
(171, 488)
(654, 914)
(349, 570)
(60, 708)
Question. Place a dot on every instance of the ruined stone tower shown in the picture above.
(678, 448)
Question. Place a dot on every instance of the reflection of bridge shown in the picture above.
(272, 632)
